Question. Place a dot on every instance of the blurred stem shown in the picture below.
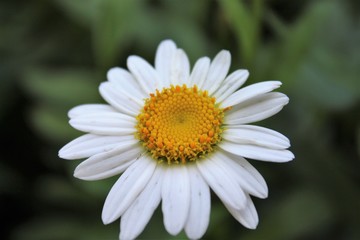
(246, 25)
(277, 25)
(258, 9)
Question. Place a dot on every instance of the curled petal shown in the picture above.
(110, 123)
(256, 109)
(90, 144)
(86, 109)
(221, 181)
(124, 102)
(217, 71)
(247, 177)
(139, 213)
(249, 92)
(247, 216)
(231, 84)
(257, 152)
(127, 188)
(145, 74)
(126, 82)
(108, 164)
(255, 135)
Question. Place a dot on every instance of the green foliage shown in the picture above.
(246, 25)
(298, 215)
(54, 54)
(62, 88)
(56, 91)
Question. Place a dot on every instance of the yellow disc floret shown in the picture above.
(180, 124)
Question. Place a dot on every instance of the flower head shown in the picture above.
(174, 134)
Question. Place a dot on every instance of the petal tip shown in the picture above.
(106, 218)
(131, 59)
(225, 52)
(112, 72)
(81, 174)
(289, 157)
(225, 55)
(245, 72)
(62, 154)
(292, 156)
(169, 42)
(77, 174)
(252, 226)
(65, 153)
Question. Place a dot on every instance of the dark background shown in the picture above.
(54, 54)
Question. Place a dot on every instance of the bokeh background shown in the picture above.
(54, 54)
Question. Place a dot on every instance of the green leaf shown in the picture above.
(59, 226)
(81, 11)
(61, 192)
(329, 75)
(158, 28)
(114, 28)
(52, 124)
(246, 25)
(301, 213)
(62, 88)
(293, 49)
(327, 87)
(98, 189)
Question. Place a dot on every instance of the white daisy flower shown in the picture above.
(174, 134)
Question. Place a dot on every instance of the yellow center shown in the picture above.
(180, 124)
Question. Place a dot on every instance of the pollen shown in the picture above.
(180, 124)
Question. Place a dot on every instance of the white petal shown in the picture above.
(249, 92)
(126, 94)
(108, 164)
(199, 213)
(139, 213)
(221, 182)
(163, 60)
(255, 135)
(257, 152)
(180, 69)
(126, 81)
(127, 188)
(199, 72)
(175, 198)
(109, 123)
(256, 109)
(119, 99)
(145, 74)
(247, 216)
(217, 71)
(90, 144)
(86, 109)
(256, 176)
(247, 180)
(233, 82)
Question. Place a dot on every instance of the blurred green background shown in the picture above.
(54, 54)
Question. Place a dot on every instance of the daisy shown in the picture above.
(174, 133)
